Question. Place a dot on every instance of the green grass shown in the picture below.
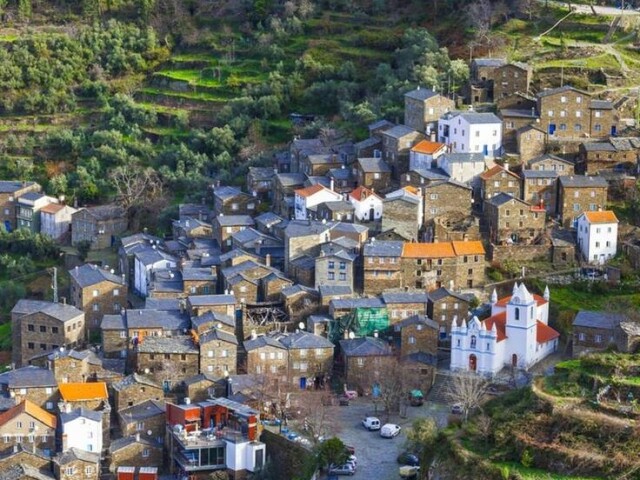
(596, 62)
(166, 131)
(5, 336)
(200, 96)
(537, 474)
(567, 297)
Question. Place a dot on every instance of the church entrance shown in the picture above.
(473, 363)
(514, 360)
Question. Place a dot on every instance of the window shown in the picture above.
(89, 470)
(332, 264)
(563, 113)
(597, 244)
(210, 368)
(496, 183)
(563, 126)
(438, 272)
(577, 127)
(507, 213)
(473, 341)
(48, 390)
(18, 424)
(563, 99)
(123, 334)
(550, 113)
(470, 271)
(70, 470)
(578, 114)
(225, 353)
(145, 453)
(597, 127)
(331, 276)
(31, 327)
(608, 243)
(412, 340)
(343, 276)
(280, 355)
(433, 196)
(30, 346)
(598, 338)
(592, 193)
(96, 307)
(54, 330)
(488, 346)
(360, 362)
(303, 352)
(576, 207)
(49, 406)
(517, 313)
(304, 366)
(95, 293)
(43, 329)
(376, 176)
(167, 356)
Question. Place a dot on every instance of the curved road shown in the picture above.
(589, 10)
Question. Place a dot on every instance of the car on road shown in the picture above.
(408, 471)
(408, 458)
(371, 423)
(390, 430)
(346, 469)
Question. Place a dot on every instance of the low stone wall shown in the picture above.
(289, 459)
(521, 253)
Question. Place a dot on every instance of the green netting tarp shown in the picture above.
(362, 321)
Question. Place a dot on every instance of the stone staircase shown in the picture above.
(441, 387)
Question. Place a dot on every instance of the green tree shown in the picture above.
(332, 452)
(421, 438)
(25, 10)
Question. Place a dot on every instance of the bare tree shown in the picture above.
(479, 15)
(389, 377)
(314, 414)
(467, 390)
(135, 186)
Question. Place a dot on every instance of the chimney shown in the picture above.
(63, 300)
(375, 333)
(187, 401)
(506, 166)
(254, 335)
(267, 260)
(64, 442)
(124, 279)
(332, 185)
(137, 437)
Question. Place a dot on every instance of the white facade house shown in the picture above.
(367, 205)
(462, 167)
(81, 429)
(516, 335)
(55, 220)
(309, 197)
(146, 261)
(424, 154)
(597, 236)
(471, 132)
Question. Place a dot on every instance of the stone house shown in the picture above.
(233, 201)
(307, 200)
(499, 180)
(381, 266)
(135, 451)
(417, 334)
(403, 212)
(340, 211)
(25, 456)
(266, 355)
(198, 281)
(76, 464)
(28, 210)
(303, 147)
(512, 121)
(444, 307)
(304, 238)
(201, 387)
(510, 79)
(218, 353)
(463, 167)
(423, 108)
(38, 385)
(373, 173)
(299, 300)
(39, 327)
(552, 163)
(142, 418)
(531, 142)
(594, 331)
(343, 178)
(319, 165)
(209, 320)
(482, 78)
(539, 188)
(96, 291)
(199, 211)
(284, 186)
(190, 228)
(27, 423)
(98, 225)
(424, 154)
(135, 389)
(335, 265)
(310, 358)
(10, 192)
(396, 145)
(55, 220)
(577, 194)
(72, 366)
(618, 154)
(516, 101)
(90, 396)
(401, 305)
(438, 199)
(513, 221)
(362, 358)
(260, 181)
(224, 226)
(223, 304)
(168, 359)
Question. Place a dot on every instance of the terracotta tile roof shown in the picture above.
(71, 392)
(52, 208)
(428, 250)
(31, 409)
(427, 147)
(544, 333)
(503, 301)
(606, 216)
(500, 321)
(494, 171)
(412, 189)
(468, 248)
(362, 192)
(308, 191)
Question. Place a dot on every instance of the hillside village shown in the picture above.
(419, 253)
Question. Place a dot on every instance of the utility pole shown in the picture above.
(55, 285)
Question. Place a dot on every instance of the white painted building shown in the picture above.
(147, 260)
(424, 154)
(309, 197)
(471, 132)
(516, 335)
(367, 204)
(55, 220)
(462, 167)
(597, 236)
(81, 429)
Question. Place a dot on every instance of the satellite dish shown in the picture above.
(301, 325)
(352, 335)
(149, 432)
(218, 325)
(146, 371)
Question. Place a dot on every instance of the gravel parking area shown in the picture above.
(377, 455)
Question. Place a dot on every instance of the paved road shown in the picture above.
(377, 455)
(586, 9)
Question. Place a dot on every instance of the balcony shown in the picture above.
(201, 459)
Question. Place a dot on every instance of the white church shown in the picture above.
(516, 335)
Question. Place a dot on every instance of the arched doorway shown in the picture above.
(514, 360)
(372, 215)
(473, 363)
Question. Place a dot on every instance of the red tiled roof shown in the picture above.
(361, 193)
(468, 248)
(494, 171)
(71, 392)
(52, 208)
(428, 250)
(308, 191)
(544, 333)
(31, 409)
(427, 147)
(503, 301)
(606, 216)
(500, 321)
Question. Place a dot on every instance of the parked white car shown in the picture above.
(390, 430)
(371, 423)
(346, 469)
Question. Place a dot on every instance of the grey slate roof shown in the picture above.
(303, 228)
(593, 319)
(59, 311)
(417, 320)
(28, 377)
(398, 131)
(476, 118)
(80, 413)
(213, 318)
(234, 220)
(268, 219)
(179, 344)
(601, 105)
(162, 304)
(106, 212)
(149, 255)
(548, 156)
(262, 341)
(225, 192)
(201, 377)
(625, 143)
(490, 62)
(88, 355)
(77, 454)
(365, 347)
(351, 303)
(565, 88)
(261, 173)
(405, 297)
(461, 157)
(134, 379)
(339, 206)
(302, 340)
(442, 292)
(598, 147)
(11, 186)
(167, 320)
(124, 442)
(432, 173)
(205, 300)
(197, 274)
(518, 113)
(31, 196)
(539, 174)
(88, 274)
(215, 334)
(113, 322)
(291, 179)
(379, 248)
(380, 124)
(297, 288)
(22, 471)
(304, 262)
(369, 165)
(503, 198)
(146, 409)
(327, 290)
(421, 94)
(577, 181)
